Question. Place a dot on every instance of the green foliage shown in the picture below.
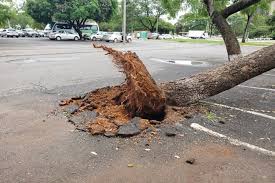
(260, 31)
(212, 117)
(165, 27)
(21, 20)
(197, 17)
(172, 6)
(271, 22)
(237, 22)
(251, 13)
(147, 12)
(193, 21)
(142, 15)
(5, 14)
(106, 9)
(40, 10)
(113, 25)
(74, 12)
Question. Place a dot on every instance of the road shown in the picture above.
(38, 145)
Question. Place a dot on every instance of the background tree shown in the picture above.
(5, 12)
(148, 13)
(74, 12)
(193, 21)
(22, 20)
(41, 11)
(219, 11)
(134, 21)
(255, 10)
(271, 22)
(237, 22)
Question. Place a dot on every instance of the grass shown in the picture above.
(220, 42)
(198, 41)
(258, 43)
(212, 116)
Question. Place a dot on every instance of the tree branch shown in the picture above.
(144, 24)
(238, 6)
(209, 6)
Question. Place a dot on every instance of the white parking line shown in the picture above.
(243, 110)
(269, 75)
(232, 141)
(258, 88)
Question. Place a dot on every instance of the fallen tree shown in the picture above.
(190, 90)
(140, 96)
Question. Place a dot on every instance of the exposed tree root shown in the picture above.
(140, 93)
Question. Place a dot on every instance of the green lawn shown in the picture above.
(220, 42)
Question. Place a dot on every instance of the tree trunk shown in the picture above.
(211, 29)
(77, 29)
(249, 19)
(229, 37)
(189, 90)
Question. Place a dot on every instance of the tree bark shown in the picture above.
(238, 6)
(190, 90)
(77, 28)
(249, 19)
(231, 42)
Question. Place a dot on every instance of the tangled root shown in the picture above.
(139, 94)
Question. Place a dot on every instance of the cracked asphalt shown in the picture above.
(38, 145)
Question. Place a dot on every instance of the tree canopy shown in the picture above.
(74, 12)
(5, 12)
(148, 12)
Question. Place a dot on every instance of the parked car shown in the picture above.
(24, 33)
(116, 37)
(165, 36)
(64, 35)
(31, 33)
(12, 33)
(41, 33)
(153, 35)
(3, 33)
(98, 36)
(20, 33)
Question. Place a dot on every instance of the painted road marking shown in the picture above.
(242, 110)
(258, 88)
(269, 75)
(232, 141)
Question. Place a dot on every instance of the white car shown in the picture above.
(31, 33)
(64, 35)
(3, 33)
(166, 36)
(12, 33)
(98, 36)
(116, 37)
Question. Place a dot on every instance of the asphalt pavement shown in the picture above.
(38, 145)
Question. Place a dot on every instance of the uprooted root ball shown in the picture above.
(117, 107)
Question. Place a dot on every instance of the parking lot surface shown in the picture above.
(37, 146)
